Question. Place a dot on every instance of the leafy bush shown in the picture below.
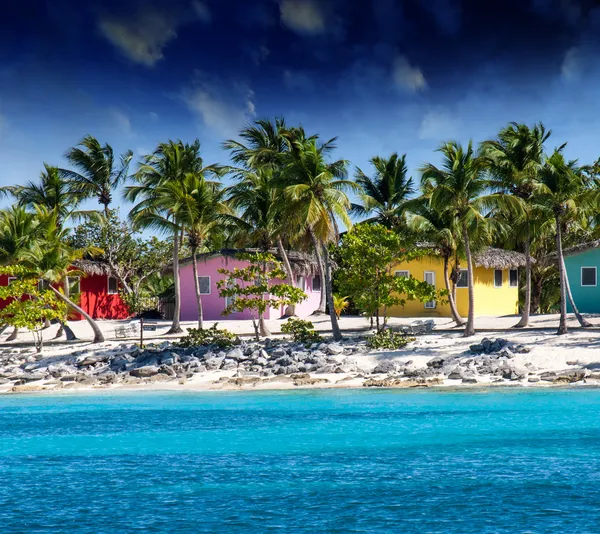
(208, 336)
(388, 339)
(300, 330)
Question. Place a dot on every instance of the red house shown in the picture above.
(96, 292)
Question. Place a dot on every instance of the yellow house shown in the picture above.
(495, 280)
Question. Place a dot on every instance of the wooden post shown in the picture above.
(141, 332)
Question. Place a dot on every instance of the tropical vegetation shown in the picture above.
(284, 190)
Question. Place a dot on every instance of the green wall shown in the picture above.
(586, 298)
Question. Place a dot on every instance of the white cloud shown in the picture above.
(120, 120)
(259, 54)
(408, 77)
(438, 124)
(221, 107)
(571, 67)
(141, 38)
(202, 11)
(143, 35)
(153, 116)
(302, 16)
(294, 79)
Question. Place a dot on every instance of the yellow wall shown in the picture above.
(489, 300)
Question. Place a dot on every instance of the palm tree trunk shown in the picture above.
(580, 317)
(291, 309)
(470, 328)
(317, 247)
(197, 287)
(176, 325)
(527, 305)
(13, 335)
(335, 328)
(562, 326)
(453, 311)
(98, 336)
(262, 326)
(64, 328)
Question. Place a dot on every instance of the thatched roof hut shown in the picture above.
(91, 267)
(497, 258)
(303, 264)
(492, 258)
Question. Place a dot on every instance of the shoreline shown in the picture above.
(439, 360)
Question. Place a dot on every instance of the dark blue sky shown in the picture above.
(382, 75)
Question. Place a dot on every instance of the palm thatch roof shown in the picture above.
(492, 258)
(91, 267)
(303, 264)
(582, 247)
(497, 258)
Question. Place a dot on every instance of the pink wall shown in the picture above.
(213, 305)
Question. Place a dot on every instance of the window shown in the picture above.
(316, 283)
(230, 300)
(300, 282)
(11, 279)
(429, 277)
(204, 283)
(513, 278)
(43, 285)
(588, 276)
(113, 286)
(463, 278)
(402, 274)
(497, 277)
(74, 285)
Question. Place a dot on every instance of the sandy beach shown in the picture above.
(438, 359)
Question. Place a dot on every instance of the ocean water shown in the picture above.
(302, 461)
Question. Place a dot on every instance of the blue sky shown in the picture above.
(382, 75)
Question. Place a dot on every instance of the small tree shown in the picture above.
(30, 306)
(257, 288)
(367, 255)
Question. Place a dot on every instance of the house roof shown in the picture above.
(498, 258)
(582, 247)
(92, 267)
(492, 258)
(303, 264)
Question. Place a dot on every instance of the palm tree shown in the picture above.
(52, 192)
(562, 188)
(515, 157)
(386, 194)
(262, 151)
(257, 200)
(440, 229)
(97, 173)
(160, 177)
(52, 258)
(202, 212)
(458, 187)
(316, 190)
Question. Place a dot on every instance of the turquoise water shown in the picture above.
(302, 461)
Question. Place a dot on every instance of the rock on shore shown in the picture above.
(251, 364)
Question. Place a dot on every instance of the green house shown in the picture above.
(583, 263)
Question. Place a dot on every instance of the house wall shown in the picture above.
(587, 298)
(96, 300)
(489, 300)
(213, 305)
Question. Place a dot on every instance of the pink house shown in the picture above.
(304, 267)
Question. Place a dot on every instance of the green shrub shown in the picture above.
(208, 336)
(388, 339)
(300, 330)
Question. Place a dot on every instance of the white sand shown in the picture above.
(549, 351)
